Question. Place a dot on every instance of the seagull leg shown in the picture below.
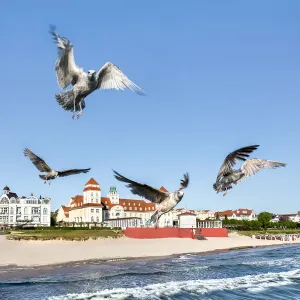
(80, 112)
(73, 114)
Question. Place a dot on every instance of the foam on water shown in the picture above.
(251, 283)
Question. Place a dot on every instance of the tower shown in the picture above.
(113, 195)
(92, 192)
(6, 190)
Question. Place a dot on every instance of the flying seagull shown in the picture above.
(228, 176)
(84, 83)
(165, 201)
(51, 174)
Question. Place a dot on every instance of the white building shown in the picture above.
(16, 210)
(187, 220)
(291, 217)
(91, 207)
(238, 214)
(205, 215)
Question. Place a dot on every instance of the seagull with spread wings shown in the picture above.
(165, 201)
(228, 176)
(51, 174)
(84, 83)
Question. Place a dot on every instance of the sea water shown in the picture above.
(262, 273)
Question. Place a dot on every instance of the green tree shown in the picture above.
(264, 218)
(53, 218)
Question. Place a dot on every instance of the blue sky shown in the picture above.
(219, 75)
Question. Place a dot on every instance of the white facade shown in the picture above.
(16, 210)
(187, 220)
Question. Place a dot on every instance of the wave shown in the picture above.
(251, 283)
(47, 280)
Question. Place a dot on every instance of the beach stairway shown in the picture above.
(198, 235)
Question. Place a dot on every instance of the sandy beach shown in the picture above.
(37, 253)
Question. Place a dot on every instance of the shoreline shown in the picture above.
(51, 254)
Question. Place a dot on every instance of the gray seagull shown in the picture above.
(84, 83)
(165, 201)
(228, 176)
(51, 174)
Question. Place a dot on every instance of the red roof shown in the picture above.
(243, 211)
(66, 210)
(87, 205)
(135, 205)
(162, 188)
(227, 213)
(92, 181)
(91, 188)
(77, 201)
(187, 214)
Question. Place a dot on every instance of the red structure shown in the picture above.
(192, 233)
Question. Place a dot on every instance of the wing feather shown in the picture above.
(185, 181)
(37, 161)
(67, 71)
(143, 190)
(72, 172)
(255, 165)
(111, 77)
(233, 157)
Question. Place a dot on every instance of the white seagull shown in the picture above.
(51, 174)
(228, 176)
(84, 83)
(165, 201)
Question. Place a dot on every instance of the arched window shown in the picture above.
(92, 219)
(97, 219)
(45, 211)
(11, 210)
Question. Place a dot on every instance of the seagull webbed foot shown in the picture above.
(79, 114)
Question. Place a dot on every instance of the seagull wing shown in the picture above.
(110, 77)
(233, 157)
(253, 166)
(37, 161)
(185, 181)
(72, 172)
(143, 190)
(67, 71)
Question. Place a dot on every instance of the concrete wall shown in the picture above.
(152, 233)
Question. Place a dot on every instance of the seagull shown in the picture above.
(84, 83)
(51, 174)
(165, 201)
(227, 176)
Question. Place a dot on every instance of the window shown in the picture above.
(97, 211)
(123, 203)
(35, 211)
(11, 210)
(135, 208)
(125, 215)
(92, 219)
(26, 218)
(45, 211)
(4, 210)
(92, 210)
(97, 219)
(133, 204)
(130, 208)
(11, 219)
(141, 208)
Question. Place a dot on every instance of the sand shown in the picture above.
(37, 253)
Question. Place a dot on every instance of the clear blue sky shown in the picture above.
(219, 75)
